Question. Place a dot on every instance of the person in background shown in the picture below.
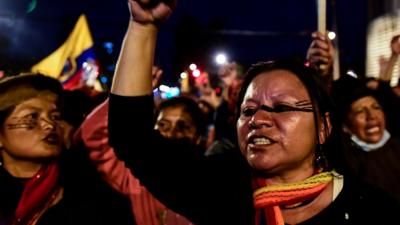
(225, 139)
(208, 111)
(41, 182)
(178, 119)
(181, 117)
(372, 151)
(284, 169)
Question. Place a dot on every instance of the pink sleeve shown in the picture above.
(147, 209)
(94, 133)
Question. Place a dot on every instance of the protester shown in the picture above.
(145, 207)
(41, 183)
(178, 118)
(372, 145)
(285, 132)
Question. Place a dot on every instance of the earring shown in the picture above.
(320, 160)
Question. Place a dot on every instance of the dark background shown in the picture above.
(247, 30)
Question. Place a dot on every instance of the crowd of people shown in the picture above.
(283, 143)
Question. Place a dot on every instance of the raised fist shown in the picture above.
(150, 11)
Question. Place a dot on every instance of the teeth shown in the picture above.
(373, 129)
(261, 141)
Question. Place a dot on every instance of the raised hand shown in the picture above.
(321, 53)
(151, 14)
(156, 73)
(395, 45)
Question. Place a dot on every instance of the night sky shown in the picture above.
(247, 30)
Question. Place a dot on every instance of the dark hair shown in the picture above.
(191, 107)
(77, 105)
(346, 90)
(18, 88)
(327, 157)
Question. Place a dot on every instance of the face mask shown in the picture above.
(371, 147)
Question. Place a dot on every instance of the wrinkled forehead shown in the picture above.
(277, 85)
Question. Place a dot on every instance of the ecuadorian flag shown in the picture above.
(74, 62)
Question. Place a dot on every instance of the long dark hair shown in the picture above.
(327, 155)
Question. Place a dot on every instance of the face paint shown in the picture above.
(22, 123)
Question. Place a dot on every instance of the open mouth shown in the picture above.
(259, 140)
(372, 129)
(52, 139)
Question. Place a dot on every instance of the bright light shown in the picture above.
(164, 88)
(196, 73)
(169, 92)
(192, 67)
(331, 35)
(184, 75)
(352, 73)
(174, 91)
(221, 59)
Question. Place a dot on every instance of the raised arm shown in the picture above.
(163, 165)
(134, 67)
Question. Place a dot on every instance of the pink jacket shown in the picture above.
(146, 209)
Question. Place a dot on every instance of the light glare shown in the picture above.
(184, 75)
(196, 73)
(192, 67)
(331, 35)
(221, 59)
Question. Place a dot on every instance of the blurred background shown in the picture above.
(246, 31)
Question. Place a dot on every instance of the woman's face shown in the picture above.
(32, 132)
(281, 141)
(176, 123)
(366, 120)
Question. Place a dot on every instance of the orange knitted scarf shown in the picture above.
(269, 198)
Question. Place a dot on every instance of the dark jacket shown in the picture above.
(380, 167)
(216, 189)
(87, 200)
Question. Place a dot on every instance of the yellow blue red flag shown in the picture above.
(74, 62)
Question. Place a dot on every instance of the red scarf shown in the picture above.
(39, 191)
(269, 198)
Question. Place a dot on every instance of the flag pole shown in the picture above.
(322, 16)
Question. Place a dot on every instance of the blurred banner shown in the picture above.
(74, 62)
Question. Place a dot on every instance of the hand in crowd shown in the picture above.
(228, 74)
(395, 45)
(152, 14)
(156, 73)
(321, 53)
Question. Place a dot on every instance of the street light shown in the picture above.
(221, 59)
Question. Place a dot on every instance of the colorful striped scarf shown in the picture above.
(269, 198)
